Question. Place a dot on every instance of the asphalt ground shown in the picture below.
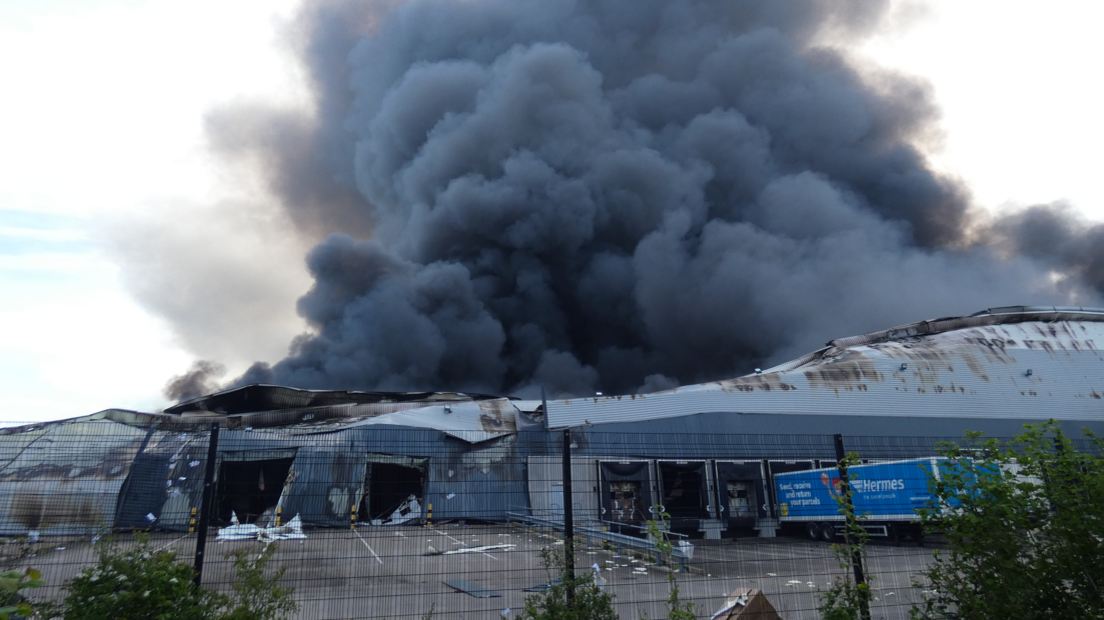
(399, 571)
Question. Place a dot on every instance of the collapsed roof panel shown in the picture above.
(255, 398)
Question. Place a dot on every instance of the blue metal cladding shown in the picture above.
(325, 487)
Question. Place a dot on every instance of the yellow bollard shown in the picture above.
(352, 518)
(191, 522)
(429, 515)
(279, 512)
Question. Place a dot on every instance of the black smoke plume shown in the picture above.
(616, 195)
(202, 378)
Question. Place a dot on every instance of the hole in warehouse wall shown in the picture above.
(249, 488)
(387, 488)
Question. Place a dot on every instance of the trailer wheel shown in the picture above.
(918, 535)
(827, 532)
(813, 530)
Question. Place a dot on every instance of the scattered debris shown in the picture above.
(408, 510)
(245, 531)
(467, 587)
(482, 549)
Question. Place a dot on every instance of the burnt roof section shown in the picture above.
(991, 316)
(259, 397)
(1004, 315)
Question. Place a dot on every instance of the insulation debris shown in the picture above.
(409, 510)
(247, 531)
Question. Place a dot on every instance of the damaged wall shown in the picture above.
(64, 478)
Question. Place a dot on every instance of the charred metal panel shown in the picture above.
(145, 492)
(255, 398)
(324, 486)
(65, 478)
(186, 465)
(476, 481)
(473, 422)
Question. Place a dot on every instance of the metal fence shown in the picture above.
(407, 523)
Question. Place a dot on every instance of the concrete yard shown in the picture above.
(398, 571)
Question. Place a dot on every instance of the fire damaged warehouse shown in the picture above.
(342, 459)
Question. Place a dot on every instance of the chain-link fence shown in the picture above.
(391, 522)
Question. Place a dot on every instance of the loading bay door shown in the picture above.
(684, 490)
(627, 491)
(741, 492)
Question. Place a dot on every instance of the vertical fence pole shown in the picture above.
(208, 500)
(849, 515)
(568, 508)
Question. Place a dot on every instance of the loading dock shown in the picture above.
(627, 491)
(741, 492)
(684, 491)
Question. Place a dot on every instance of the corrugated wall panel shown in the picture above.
(67, 480)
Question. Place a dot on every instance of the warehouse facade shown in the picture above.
(705, 453)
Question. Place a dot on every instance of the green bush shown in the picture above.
(13, 602)
(657, 530)
(139, 583)
(1024, 529)
(846, 599)
(568, 598)
(257, 597)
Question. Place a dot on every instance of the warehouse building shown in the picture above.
(704, 452)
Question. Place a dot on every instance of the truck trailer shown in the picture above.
(886, 497)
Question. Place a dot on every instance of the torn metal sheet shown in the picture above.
(473, 422)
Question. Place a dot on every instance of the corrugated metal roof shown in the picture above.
(471, 421)
(259, 397)
(1025, 365)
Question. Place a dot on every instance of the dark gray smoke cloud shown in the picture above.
(1056, 236)
(202, 378)
(616, 195)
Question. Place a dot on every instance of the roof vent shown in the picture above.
(1028, 373)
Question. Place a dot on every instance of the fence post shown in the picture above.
(849, 515)
(568, 508)
(208, 499)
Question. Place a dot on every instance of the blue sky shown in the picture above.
(102, 123)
